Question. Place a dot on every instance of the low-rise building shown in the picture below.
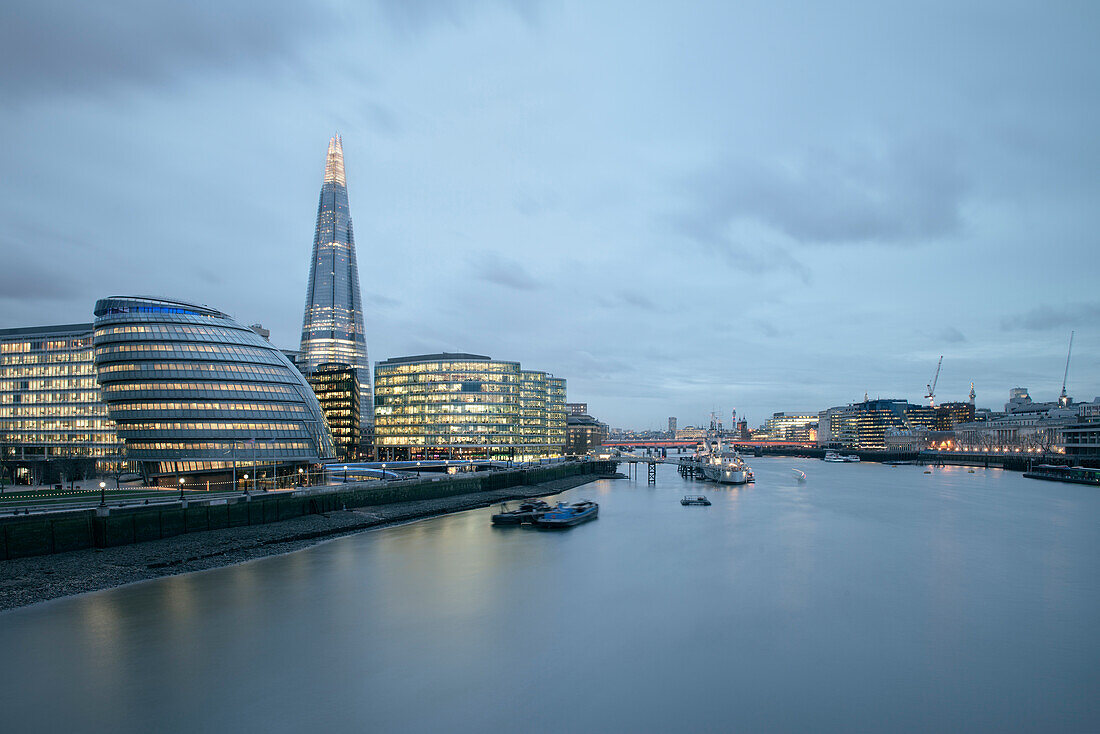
(458, 405)
(584, 433)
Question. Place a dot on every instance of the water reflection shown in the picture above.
(866, 598)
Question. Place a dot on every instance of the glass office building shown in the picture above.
(332, 327)
(50, 404)
(466, 406)
(190, 390)
(337, 389)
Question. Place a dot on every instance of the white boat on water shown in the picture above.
(726, 467)
(799, 475)
(834, 458)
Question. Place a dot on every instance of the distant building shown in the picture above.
(949, 415)
(259, 329)
(466, 406)
(791, 427)
(1082, 439)
(672, 427)
(865, 425)
(1026, 426)
(291, 355)
(576, 408)
(583, 433)
(337, 389)
(836, 427)
(691, 433)
(50, 401)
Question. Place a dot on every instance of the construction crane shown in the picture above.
(932, 385)
(1063, 399)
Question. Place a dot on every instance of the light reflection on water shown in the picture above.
(866, 598)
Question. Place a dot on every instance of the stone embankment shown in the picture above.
(333, 512)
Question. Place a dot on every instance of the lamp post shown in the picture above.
(418, 470)
(383, 471)
(246, 484)
(102, 494)
(181, 489)
(299, 476)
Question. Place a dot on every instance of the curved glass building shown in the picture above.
(466, 406)
(191, 390)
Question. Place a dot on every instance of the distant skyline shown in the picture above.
(762, 206)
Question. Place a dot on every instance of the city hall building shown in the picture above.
(466, 406)
(192, 391)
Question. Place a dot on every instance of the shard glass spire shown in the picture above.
(332, 329)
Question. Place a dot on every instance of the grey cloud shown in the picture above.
(1048, 317)
(414, 16)
(766, 328)
(382, 118)
(49, 46)
(43, 278)
(951, 335)
(380, 301)
(910, 192)
(631, 299)
(493, 268)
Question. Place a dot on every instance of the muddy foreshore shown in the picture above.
(36, 579)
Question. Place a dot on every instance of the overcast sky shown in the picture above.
(679, 207)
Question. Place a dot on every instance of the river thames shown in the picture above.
(867, 598)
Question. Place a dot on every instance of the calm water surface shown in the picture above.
(867, 599)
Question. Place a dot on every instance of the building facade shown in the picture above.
(583, 434)
(791, 427)
(576, 408)
(1082, 439)
(50, 407)
(337, 389)
(192, 391)
(466, 406)
(671, 427)
(332, 326)
(949, 415)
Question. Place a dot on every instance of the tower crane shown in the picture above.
(1063, 399)
(932, 385)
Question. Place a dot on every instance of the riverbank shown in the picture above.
(37, 579)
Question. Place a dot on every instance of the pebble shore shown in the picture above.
(37, 579)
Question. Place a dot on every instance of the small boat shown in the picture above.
(799, 475)
(528, 512)
(834, 458)
(567, 515)
(695, 499)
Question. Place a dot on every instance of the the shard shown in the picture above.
(332, 329)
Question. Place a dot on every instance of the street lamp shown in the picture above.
(299, 476)
(102, 494)
(383, 471)
(418, 470)
(246, 485)
(181, 489)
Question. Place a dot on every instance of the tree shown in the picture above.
(76, 465)
(7, 465)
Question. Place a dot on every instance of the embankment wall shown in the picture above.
(57, 532)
